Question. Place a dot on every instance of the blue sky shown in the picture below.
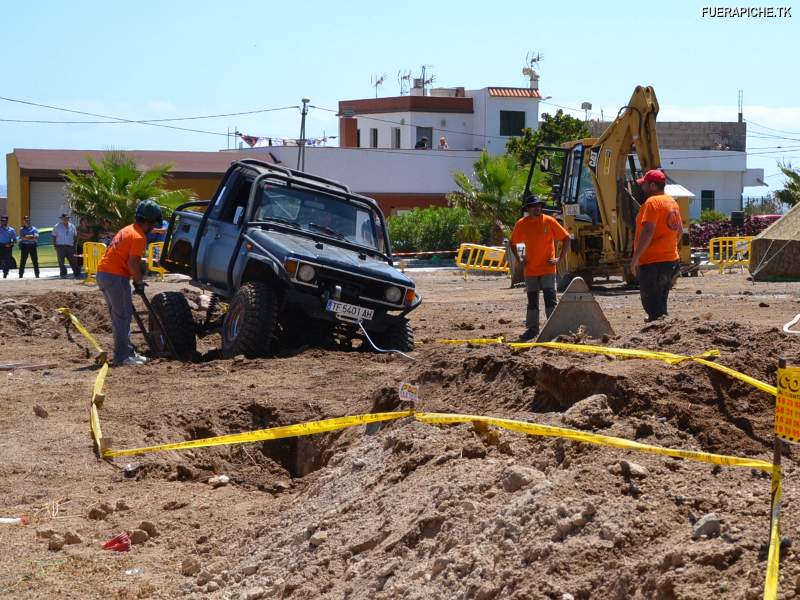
(150, 60)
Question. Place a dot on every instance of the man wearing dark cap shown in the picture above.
(655, 250)
(538, 233)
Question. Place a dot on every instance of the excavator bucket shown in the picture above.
(577, 308)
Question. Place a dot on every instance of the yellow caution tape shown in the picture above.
(273, 433)
(475, 341)
(594, 438)
(79, 326)
(667, 357)
(757, 383)
(773, 556)
(94, 416)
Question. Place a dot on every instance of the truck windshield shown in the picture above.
(320, 214)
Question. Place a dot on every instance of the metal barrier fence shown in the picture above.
(474, 257)
(729, 252)
(93, 253)
(153, 255)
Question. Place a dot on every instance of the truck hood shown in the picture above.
(283, 246)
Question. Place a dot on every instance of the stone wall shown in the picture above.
(693, 135)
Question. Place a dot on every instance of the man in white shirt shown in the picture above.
(64, 237)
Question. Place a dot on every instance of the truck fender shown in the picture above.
(252, 262)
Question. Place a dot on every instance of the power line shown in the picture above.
(117, 120)
(234, 114)
(773, 129)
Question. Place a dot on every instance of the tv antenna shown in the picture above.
(377, 81)
(531, 68)
(532, 59)
(404, 81)
(429, 80)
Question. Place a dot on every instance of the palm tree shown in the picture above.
(107, 195)
(790, 194)
(495, 195)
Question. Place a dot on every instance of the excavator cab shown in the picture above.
(593, 190)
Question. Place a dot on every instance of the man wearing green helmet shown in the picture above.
(120, 264)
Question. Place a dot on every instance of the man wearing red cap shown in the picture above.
(655, 249)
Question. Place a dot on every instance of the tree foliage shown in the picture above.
(107, 195)
(433, 228)
(554, 130)
(790, 194)
(493, 194)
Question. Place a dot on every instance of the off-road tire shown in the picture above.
(399, 336)
(249, 325)
(175, 314)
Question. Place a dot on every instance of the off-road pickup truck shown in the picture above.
(295, 258)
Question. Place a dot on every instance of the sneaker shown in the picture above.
(132, 361)
(529, 335)
(142, 359)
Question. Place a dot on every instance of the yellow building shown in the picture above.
(37, 188)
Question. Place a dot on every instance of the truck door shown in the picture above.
(222, 231)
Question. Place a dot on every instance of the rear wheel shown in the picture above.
(399, 336)
(176, 316)
(249, 324)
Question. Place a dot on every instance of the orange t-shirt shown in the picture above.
(663, 212)
(129, 241)
(539, 235)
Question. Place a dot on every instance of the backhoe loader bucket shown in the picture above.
(577, 308)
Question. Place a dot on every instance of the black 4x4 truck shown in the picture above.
(288, 258)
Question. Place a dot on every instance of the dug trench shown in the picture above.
(407, 509)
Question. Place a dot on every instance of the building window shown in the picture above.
(424, 137)
(512, 122)
(706, 200)
(358, 138)
(373, 137)
(395, 137)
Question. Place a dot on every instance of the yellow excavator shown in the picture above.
(595, 194)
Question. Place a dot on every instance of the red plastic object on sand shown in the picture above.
(121, 543)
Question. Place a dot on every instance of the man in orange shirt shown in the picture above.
(121, 263)
(655, 250)
(538, 232)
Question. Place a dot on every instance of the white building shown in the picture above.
(467, 119)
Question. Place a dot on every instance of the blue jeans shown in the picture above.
(117, 291)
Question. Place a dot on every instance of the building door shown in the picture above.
(425, 132)
(706, 200)
(48, 201)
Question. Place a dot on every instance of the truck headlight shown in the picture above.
(306, 273)
(393, 294)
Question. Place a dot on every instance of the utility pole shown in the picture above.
(301, 151)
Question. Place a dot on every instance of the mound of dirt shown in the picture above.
(415, 511)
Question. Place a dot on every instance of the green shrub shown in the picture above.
(433, 228)
(710, 215)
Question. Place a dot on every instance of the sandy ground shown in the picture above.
(405, 509)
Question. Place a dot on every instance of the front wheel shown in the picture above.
(249, 324)
(398, 336)
(176, 316)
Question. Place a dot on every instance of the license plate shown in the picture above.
(350, 312)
